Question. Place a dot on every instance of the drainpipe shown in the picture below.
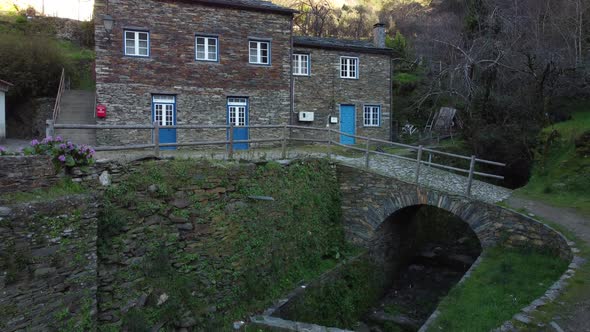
(292, 78)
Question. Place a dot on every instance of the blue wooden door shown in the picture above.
(237, 115)
(164, 113)
(347, 123)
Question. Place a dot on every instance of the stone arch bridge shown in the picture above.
(369, 199)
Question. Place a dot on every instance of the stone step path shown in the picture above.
(77, 107)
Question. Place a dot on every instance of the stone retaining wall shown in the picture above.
(24, 173)
(48, 265)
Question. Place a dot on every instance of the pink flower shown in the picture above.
(34, 142)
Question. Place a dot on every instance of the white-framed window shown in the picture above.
(301, 64)
(137, 43)
(164, 109)
(237, 111)
(372, 116)
(259, 52)
(349, 67)
(206, 48)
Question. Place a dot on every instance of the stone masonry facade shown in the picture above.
(125, 85)
(323, 91)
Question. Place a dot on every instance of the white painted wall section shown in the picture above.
(2, 116)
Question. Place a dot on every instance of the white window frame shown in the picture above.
(206, 48)
(346, 65)
(300, 59)
(372, 116)
(258, 43)
(136, 35)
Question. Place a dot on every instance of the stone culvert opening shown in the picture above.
(424, 251)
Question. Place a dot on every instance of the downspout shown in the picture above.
(391, 118)
(292, 78)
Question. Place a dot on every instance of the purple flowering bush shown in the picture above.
(4, 152)
(65, 154)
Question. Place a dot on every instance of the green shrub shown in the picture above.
(32, 63)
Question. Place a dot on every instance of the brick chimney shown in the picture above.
(379, 35)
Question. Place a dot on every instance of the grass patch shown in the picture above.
(561, 175)
(63, 188)
(506, 281)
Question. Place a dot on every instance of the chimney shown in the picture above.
(379, 35)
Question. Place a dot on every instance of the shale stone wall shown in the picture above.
(48, 265)
(24, 173)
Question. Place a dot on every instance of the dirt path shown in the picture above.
(572, 317)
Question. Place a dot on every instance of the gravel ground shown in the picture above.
(401, 169)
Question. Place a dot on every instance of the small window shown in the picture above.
(137, 43)
(259, 52)
(372, 116)
(206, 48)
(349, 67)
(301, 64)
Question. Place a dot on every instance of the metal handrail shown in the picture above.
(60, 91)
(230, 142)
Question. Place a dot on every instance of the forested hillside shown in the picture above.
(509, 66)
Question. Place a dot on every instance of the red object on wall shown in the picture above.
(101, 111)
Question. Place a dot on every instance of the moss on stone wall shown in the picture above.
(341, 300)
(192, 244)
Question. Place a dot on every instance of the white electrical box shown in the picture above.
(306, 116)
(333, 120)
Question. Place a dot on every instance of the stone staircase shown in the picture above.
(77, 107)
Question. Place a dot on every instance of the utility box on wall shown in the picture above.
(101, 111)
(306, 116)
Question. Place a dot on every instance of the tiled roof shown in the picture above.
(249, 4)
(341, 44)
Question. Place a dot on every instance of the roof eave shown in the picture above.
(384, 51)
(283, 11)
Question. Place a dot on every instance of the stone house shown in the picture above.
(213, 62)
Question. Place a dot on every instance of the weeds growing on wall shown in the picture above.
(249, 253)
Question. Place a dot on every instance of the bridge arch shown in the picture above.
(369, 199)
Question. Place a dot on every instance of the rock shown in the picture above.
(45, 271)
(153, 188)
(185, 227)
(162, 299)
(153, 220)
(105, 179)
(235, 206)
(177, 219)
(261, 198)
(381, 317)
(45, 251)
(5, 211)
(186, 322)
(238, 325)
(181, 203)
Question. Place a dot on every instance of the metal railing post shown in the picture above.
(49, 129)
(419, 161)
(470, 178)
(329, 143)
(367, 153)
(231, 141)
(156, 139)
(284, 147)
